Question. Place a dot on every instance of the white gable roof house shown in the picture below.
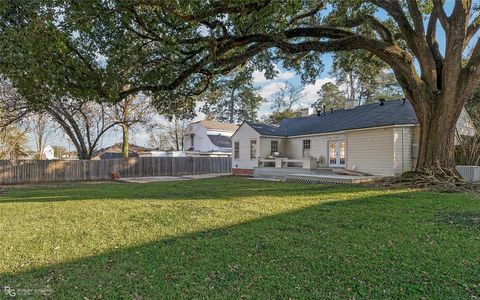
(209, 138)
(379, 139)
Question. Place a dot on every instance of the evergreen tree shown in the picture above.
(232, 99)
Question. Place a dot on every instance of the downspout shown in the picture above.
(403, 157)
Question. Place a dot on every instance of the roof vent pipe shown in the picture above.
(324, 109)
(319, 112)
(381, 101)
(404, 100)
(331, 109)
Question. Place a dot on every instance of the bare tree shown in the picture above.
(131, 111)
(13, 141)
(12, 107)
(83, 122)
(168, 136)
(157, 137)
(287, 96)
(41, 128)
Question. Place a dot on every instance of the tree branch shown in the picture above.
(221, 8)
(415, 39)
(440, 12)
(307, 14)
(472, 29)
(416, 16)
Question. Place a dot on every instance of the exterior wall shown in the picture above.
(415, 144)
(465, 125)
(402, 157)
(201, 141)
(318, 146)
(371, 151)
(243, 135)
(266, 144)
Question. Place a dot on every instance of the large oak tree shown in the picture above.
(173, 49)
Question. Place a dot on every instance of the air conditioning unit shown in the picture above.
(469, 173)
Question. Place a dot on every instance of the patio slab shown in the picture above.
(329, 179)
(152, 179)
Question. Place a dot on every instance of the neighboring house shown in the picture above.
(374, 139)
(115, 151)
(209, 138)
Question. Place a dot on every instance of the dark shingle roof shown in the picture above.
(220, 140)
(263, 129)
(372, 115)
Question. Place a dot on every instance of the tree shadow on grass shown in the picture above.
(214, 189)
(465, 219)
(370, 247)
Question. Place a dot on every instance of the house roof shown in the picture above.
(115, 151)
(220, 140)
(393, 112)
(209, 124)
(264, 129)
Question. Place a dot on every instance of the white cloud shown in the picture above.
(309, 92)
(268, 90)
(259, 77)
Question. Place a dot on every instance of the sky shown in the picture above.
(266, 89)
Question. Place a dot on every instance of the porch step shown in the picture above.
(328, 179)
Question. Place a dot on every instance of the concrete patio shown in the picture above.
(152, 179)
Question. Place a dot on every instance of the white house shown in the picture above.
(378, 139)
(208, 137)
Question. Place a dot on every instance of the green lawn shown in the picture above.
(231, 238)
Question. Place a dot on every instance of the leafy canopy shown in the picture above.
(173, 50)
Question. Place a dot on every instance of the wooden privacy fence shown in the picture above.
(31, 171)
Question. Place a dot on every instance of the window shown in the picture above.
(192, 141)
(306, 148)
(273, 148)
(236, 150)
(253, 149)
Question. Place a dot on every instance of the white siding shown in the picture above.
(201, 140)
(244, 135)
(371, 151)
(465, 125)
(318, 145)
(403, 161)
(415, 144)
(265, 146)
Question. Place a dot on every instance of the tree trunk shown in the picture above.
(437, 135)
(352, 87)
(124, 141)
(177, 142)
(232, 105)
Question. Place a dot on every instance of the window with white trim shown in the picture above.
(236, 150)
(273, 147)
(253, 149)
(192, 140)
(306, 148)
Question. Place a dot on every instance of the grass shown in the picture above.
(230, 238)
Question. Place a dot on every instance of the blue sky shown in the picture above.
(266, 88)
